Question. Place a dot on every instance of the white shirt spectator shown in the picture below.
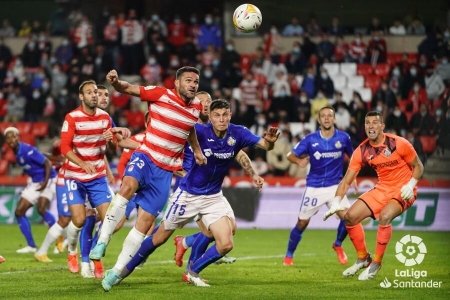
(397, 29)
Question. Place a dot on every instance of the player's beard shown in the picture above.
(184, 94)
(204, 118)
(91, 103)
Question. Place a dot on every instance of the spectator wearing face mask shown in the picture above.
(396, 82)
(209, 34)
(230, 56)
(206, 77)
(422, 123)
(342, 118)
(177, 32)
(443, 68)
(151, 72)
(132, 35)
(434, 84)
(250, 90)
(295, 61)
(64, 53)
(397, 121)
(357, 50)
(410, 79)
(417, 96)
(302, 108)
(324, 83)
(272, 44)
(157, 24)
(162, 54)
(377, 49)
(320, 101)
(386, 96)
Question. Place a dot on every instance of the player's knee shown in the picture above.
(385, 218)
(127, 189)
(302, 224)
(19, 212)
(224, 248)
(78, 221)
(41, 210)
(63, 221)
(350, 218)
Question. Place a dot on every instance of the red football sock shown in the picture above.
(383, 236)
(357, 236)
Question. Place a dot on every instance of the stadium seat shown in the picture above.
(373, 82)
(402, 104)
(4, 167)
(348, 69)
(28, 139)
(412, 58)
(364, 69)
(408, 115)
(366, 94)
(332, 68)
(24, 127)
(4, 125)
(347, 95)
(339, 81)
(394, 58)
(40, 129)
(382, 70)
(355, 82)
(428, 143)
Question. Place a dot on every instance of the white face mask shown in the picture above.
(273, 31)
(397, 113)
(303, 99)
(319, 95)
(152, 61)
(36, 95)
(261, 122)
(112, 22)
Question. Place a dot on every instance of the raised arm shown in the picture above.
(200, 159)
(267, 142)
(121, 86)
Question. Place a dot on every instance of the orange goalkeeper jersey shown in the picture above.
(390, 159)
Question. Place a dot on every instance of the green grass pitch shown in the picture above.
(257, 274)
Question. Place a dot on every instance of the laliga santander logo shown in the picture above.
(410, 250)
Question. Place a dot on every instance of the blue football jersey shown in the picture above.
(32, 162)
(326, 157)
(220, 153)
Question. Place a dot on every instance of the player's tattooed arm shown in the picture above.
(245, 162)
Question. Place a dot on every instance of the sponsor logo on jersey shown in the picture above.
(336, 154)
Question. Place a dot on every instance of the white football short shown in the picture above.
(31, 194)
(314, 198)
(183, 207)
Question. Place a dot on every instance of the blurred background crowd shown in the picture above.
(267, 87)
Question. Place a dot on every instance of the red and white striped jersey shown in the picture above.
(171, 120)
(60, 178)
(126, 154)
(83, 134)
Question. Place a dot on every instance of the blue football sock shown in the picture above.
(144, 251)
(199, 247)
(95, 237)
(189, 239)
(294, 240)
(211, 255)
(155, 230)
(49, 219)
(341, 233)
(86, 238)
(25, 227)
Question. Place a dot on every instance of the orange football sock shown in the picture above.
(383, 236)
(357, 236)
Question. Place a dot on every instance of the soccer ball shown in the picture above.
(247, 18)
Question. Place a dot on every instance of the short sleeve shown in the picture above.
(356, 160)
(151, 93)
(301, 147)
(406, 150)
(248, 138)
(36, 156)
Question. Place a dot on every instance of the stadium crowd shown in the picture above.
(265, 88)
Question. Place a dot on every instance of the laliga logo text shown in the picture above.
(410, 251)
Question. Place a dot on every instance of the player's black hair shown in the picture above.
(101, 87)
(375, 113)
(218, 104)
(80, 89)
(182, 70)
(326, 107)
